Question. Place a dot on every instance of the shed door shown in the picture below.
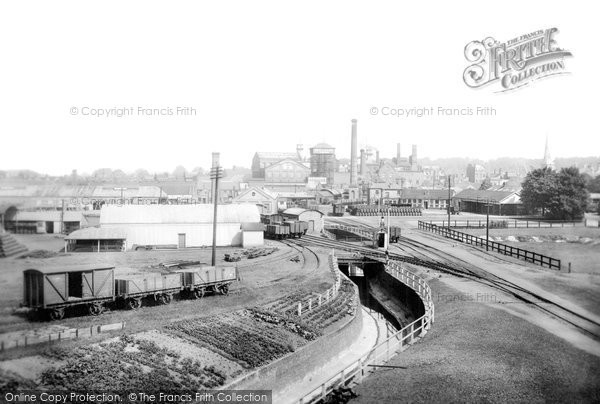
(311, 225)
(181, 243)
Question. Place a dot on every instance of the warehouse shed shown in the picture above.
(252, 234)
(94, 239)
(178, 226)
(313, 217)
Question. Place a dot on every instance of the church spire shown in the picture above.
(548, 160)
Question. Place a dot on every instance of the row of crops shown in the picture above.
(131, 364)
(252, 337)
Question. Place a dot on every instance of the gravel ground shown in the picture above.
(477, 353)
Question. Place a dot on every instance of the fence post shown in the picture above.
(299, 309)
(569, 267)
(309, 304)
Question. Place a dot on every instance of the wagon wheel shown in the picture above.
(224, 289)
(164, 298)
(133, 303)
(56, 314)
(95, 309)
(199, 293)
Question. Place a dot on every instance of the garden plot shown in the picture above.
(248, 338)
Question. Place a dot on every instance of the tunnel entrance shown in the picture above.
(372, 304)
(381, 293)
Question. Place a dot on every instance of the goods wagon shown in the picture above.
(297, 227)
(394, 234)
(277, 231)
(289, 228)
(55, 288)
(132, 288)
(196, 281)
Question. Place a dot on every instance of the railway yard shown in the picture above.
(504, 330)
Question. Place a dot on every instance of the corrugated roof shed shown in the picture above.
(493, 196)
(97, 233)
(169, 214)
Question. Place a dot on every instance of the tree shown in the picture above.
(486, 184)
(141, 174)
(559, 195)
(593, 184)
(179, 172)
(571, 198)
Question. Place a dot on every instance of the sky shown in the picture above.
(265, 76)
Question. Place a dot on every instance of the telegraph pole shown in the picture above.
(216, 172)
(487, 227)
(449, 201)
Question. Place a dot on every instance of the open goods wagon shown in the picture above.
(198, 280)
(289, 228)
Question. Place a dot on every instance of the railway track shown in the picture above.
(421, 254)
(314, 259)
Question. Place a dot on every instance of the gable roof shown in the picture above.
(266, 193)
(288, 160)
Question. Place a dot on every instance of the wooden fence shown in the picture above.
(505, 249)
(70, 333)
(313, 302)
(513, 223)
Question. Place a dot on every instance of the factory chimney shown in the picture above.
(353, 162)
(363, 162)
(300, 152)
(413, 157)
(377, 156)
(397, 154)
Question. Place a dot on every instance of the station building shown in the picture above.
(498, 202)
